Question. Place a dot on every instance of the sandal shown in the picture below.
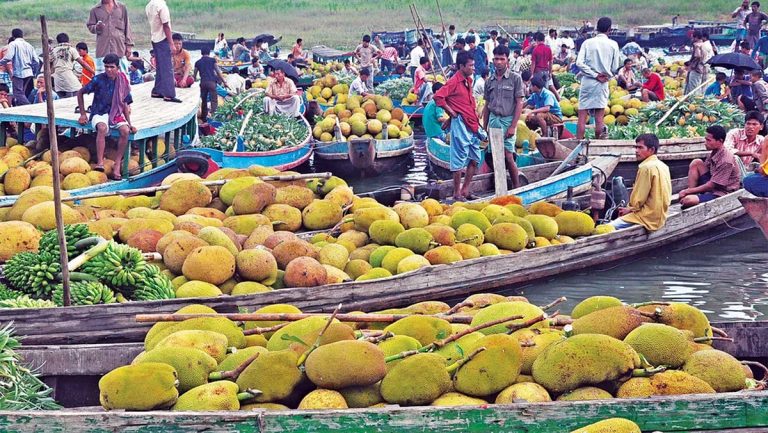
(471, 196)
(177, 100)
(98, 168)
(155, 95)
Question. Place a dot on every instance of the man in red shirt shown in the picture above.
(541, 62)
(653, 88)
(420, 77)
(455, 97)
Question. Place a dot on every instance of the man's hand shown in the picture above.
(447, 123)
(99, 27)
(624, 210)
(510, 131)
(133, 129)
(683, 193)
(83, 120)
(602, 78)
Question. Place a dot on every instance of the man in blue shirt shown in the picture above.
(478, 54)
(433, 117)
(761, 49)
(25, 65)
(546, 109)
(110, 109)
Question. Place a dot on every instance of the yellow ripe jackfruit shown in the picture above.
(323, 399)
(508, 236)
(572, 223)
(17, 237)
(670, 382)
(450, 399)
(160, 327)
(215, 396)
(426, 329)
(212, 343)
(611, 425)
(192, 365)
(526, 391)
(145, 386)
(346, 363)
(275, 374)
(543, 225)
(221, 325)
(614, 321)
(720, 370)
(681, 316)
(491, 370)
(583, 360)
(362, 396)
(585, 393)
(507, 309)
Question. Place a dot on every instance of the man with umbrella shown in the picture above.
(281, 95)
(739, 83)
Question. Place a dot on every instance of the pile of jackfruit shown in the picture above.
(434, 354)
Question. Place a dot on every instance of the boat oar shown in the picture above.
(151, 189)
(240, 145)
(292, 317)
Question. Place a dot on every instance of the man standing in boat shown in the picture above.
(741, 16)
(714, 177)
(754, 23)
(503, 104)
(108, 20)
(652, 192)
(457, 100)
(598, 61)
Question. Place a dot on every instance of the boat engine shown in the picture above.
(199, 163)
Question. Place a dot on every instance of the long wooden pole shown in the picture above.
(423, 30)
(291, 317)
(55, 161)
(664, 117)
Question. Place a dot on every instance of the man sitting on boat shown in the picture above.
(719, 174)
(626, 79)
(434, 117)
(360, 85)
(652, 192)
(546, 110)
(110, 109)
(281, 96)
(653, 88)
(746, 143)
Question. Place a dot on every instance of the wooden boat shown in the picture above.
(439, 154)
(285, 158)
(73, 372)
(115, 323)
(153, 119)
(363, 154)
(757, 209)
(324, 54)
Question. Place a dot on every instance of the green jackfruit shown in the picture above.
(533, 343)
(670, 382)
(426, 329)
(456, 350)
(491, 370)
(295, 329)
(384, 232)
(238, 357)
(417, 380)
(443, 255)
(585, 393)
(145, 386)
(594, 303)
(192, 365)
(378, 254)
(274, 373)
(611, 425)
(614, 321)
(508, 236)
(417, 240)
(681, 316)
(660, 344)
(473, 217)
(507, 309)
(393, 257)
(214, 396)
(212, 343)
(720, 370)
(470, 234)
(398, 344)
(543, 225)
(572, 223)
(583, 360)
(346, 363)
(362, 396)
(364, 217)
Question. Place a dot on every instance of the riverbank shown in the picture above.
(340, 24)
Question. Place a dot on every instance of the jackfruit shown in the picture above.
(210, 342)
(264, 406)
(212, 264)
(583, 360)
(247, 224)
(374, 274)
(416, 380)
(17, 237)
(342, 195)
(288, 250)
(256, 265)
(275, 374)
(469, 216)
(585, 393)
(543, 225)
(305, 272)
(491, 370)
(426, 329)
(384, 232)
(323, 399)
(130, 227)
(617, 322)
(274, 308)
(362, 396)
(442, 234)
(526, 391)
(334, 255)
(544, 208)
(611, 425)
(670, 382)
(603, 229)
(720, 370)
(517, 209)
(507, 309)
(42, 216)
(233, 186)
(393, 257)
(321, 215)
(363, 218)
(178, 249)
(411, 215)
(145, 386)
(254, 198)
(451, 399)
(533, 343)
(357, 267)
(283, 217)
(378, 254)
(681, 316)
(215, 396)
(239, 356)
(197, 289)
(183, 195)
(346, 363)
(594, 303)
(294, 329)
(192, 365)
(572, 223)
(216, 236)
(507, 236)
(417, 240)
(660, 344)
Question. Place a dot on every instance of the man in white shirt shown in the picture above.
(552, 41)
(741, 15)
(470, 32)
(160, 30)
(359, 85)
(565, 39)
(22, 56)
(416, 54)
(451, 36)
(491, 45)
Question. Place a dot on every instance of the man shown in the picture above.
(378, 43)
(565, 39)
(479, 56)
(653, 88)
(759, 91)
(434, 117)
(64, 57)
(182, 63)
(696, 65)
(626, 79)
(455, 97)
(760, 51)
(652, 192)
(716, 176)
(348, 68)
(110, 85)
(298, 50)
(108, 20)
(420, 78)
(416, 54)
(210, 76)
(470, 32)
(23, 58)
(598, 59)
(389, 59)
(541, 61)
(458, 47)
(366, 54)
(631, 48)
(159, 18)
(741, 17)
(546, 110)
(360, 85)
(754, 23)
(551, 40)
(281, 96)
(452, 36)
(746, 143)
(719, 89)
(740, 85)
(240, 52)
(6, 99)
(564, 57)
(491, 44)
(86, 76)
(503, 104)
(255, 71)
(437, 50)
(757, 182)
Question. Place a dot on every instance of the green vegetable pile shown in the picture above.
(263, 133)
(20, 388)
(343, 77)
(227, 111)
(566, 79)
(396, 89)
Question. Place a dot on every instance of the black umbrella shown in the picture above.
(734, 61)
(266, 37)
(286, 67)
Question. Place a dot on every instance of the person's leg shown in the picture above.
(164, 82)
(514, 172)
(619, 224)
(122, 145)
(19, 91)
(457, 185)
(581, 124)
(757, 184)
(695, 171)
(101, 135)
(599, 124)
(214, 97)
(471, 169)
(204, 101)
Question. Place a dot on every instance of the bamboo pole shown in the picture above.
(55, 161)
(150, 189)
(663, 118)
(422, 30)
(292, 317)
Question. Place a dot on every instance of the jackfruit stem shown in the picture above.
(561, 321)
(703, 339)
(648, 372)
(719, 331)
(304, 355)
(258, 331)
(516, 327)
(233, 374)
(459, 306)
(645, 304)
(557, 301)
(379, 338)
(655, 315)
(248, 394)
(457, 365)
(92, 252)
(759, 365)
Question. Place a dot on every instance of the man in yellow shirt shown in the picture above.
(652, 191)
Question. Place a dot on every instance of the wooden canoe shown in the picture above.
(439, 154)
(669, 149)
(74, 371)
(757, 209)
(115, 322)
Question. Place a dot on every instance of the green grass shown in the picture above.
(340, 23)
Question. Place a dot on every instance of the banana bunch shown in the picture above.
(85, 293)
(33, 274)
(120, 266)
(25, 301)
(6, 293)
(154, 286)
(49, 242)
